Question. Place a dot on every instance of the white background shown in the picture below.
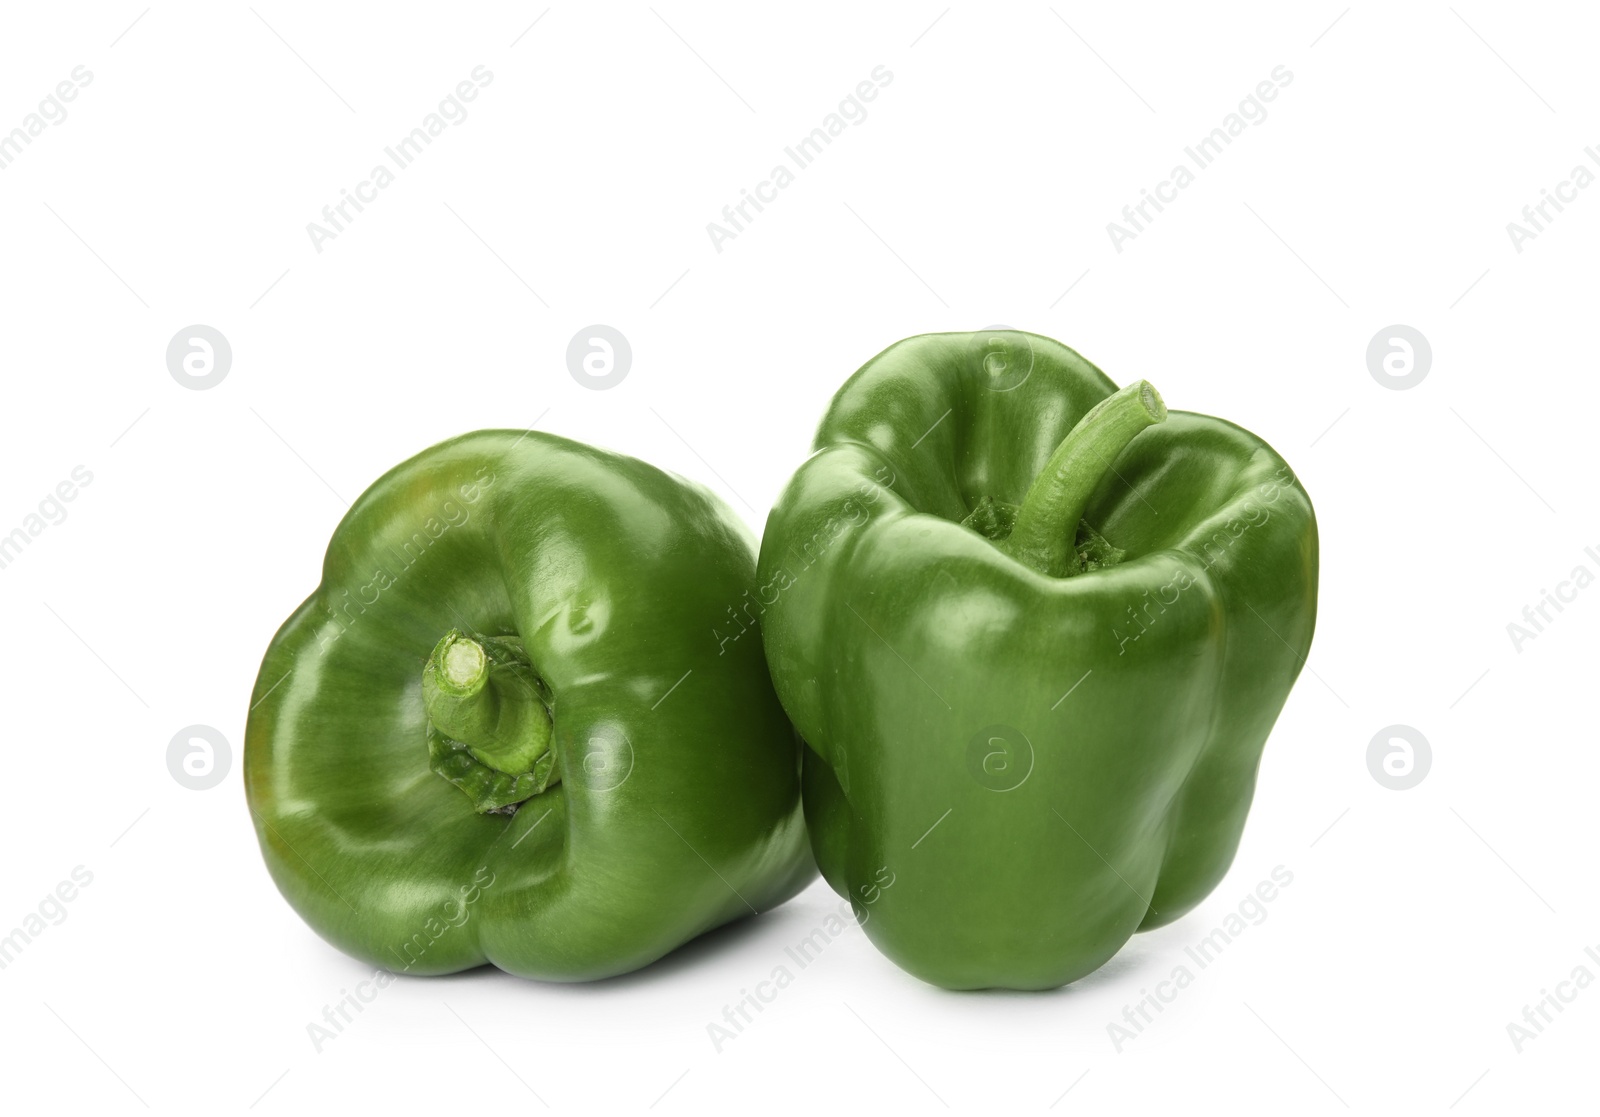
(1376, 192)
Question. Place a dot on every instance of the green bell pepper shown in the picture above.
(502, 729)
(1034, 631)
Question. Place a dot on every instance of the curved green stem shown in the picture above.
(1047, 520)
(483, 697)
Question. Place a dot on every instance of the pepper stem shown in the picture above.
(1047, 520)
(483, 693)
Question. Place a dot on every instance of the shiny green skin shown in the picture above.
(1024, 856)
(678, 809)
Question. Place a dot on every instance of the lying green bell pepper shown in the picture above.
(1035, 632)
(502, 729)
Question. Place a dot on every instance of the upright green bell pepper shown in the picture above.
(503, 729)
(1034, 631)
